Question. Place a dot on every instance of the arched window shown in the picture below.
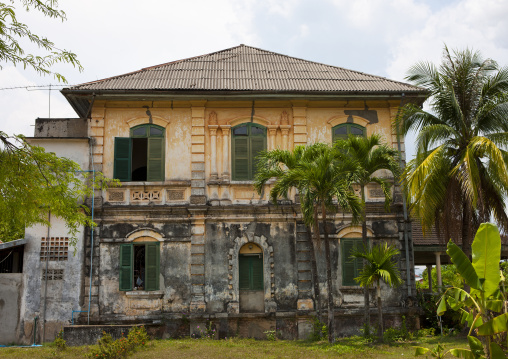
(341, 131)
(140, 157)
(247, 140)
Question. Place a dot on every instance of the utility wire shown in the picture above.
(35, 87)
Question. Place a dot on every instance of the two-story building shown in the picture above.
(186, 239)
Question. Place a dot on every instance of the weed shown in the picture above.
(59, 342)
(120, 348)
(319, 330)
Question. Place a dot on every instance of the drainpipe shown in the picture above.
(404, 206)
(46, 283)
(91, 232)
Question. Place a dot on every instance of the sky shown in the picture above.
(379, 37)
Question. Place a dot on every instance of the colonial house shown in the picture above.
(185, 239)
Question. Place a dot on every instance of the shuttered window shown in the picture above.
(247, 141)
(251, 272)
(340, 132)
(350, 267)
(143, 275)
(141, 156)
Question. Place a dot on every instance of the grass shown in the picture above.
(353, 347)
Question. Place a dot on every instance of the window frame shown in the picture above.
(256, 281)
(156, 151)
(251, 140)
(348, 127)
(348, 279)
(126, 266)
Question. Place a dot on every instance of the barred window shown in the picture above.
(54, 248)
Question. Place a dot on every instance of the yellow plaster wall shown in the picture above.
(118, 117)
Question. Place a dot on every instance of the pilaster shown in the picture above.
(197, 267)
(198, 196)
(300, 122)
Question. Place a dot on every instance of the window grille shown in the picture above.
(53, 274)
(54, 248)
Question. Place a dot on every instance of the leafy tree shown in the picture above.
(380, 266)
(370, 155)
(13, 32)
(33, 182)
(449, 276)
(320, 179)
(459, 177)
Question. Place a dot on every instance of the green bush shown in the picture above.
(449, 320)
(120, 348)
(59, 342)
(319, 330)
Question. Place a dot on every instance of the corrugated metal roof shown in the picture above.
(11, 244)
(245, 68)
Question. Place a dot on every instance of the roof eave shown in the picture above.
(80, 99)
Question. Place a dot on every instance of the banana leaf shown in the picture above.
(464, 266)
(486, 249)
(496, 352)
(496, 325)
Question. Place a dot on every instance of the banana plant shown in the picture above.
(484, 307)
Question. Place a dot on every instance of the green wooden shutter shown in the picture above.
(256, 270)
(240, 154)
(257, 144)
(155, 171)
(348, 265)
(244, 272)
(152, 259)
(126, 264)
(122, 164)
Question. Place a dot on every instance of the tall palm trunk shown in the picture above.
(366, 300)
(331, 321)
(379, 312)
(315, 276)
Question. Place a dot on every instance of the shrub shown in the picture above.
(59, 342)
(319, 330)
(120, 348)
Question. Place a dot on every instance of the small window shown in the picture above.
(251, 271)
(341, 131)
(248, 140)
(141, 156)
(139, 266)
(350, 267)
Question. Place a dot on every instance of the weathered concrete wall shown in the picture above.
(61, 127)
(11, 288)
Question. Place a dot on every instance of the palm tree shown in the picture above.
(458, 178)
(370, 155)
(380, 267)
(320, 180)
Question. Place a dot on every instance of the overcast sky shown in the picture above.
(380, 37)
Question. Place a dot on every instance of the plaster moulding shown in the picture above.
(256, 119)
(353, 232)
(144, 232)
(143, 120)
(337, 120)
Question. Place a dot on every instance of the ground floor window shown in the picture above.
(139, 266)
(350, 267)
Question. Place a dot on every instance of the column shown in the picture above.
(438, 271)
(429, 273)
(198, 196)
(213, 151)
(225, 151)
(272, 135)
(285, 136)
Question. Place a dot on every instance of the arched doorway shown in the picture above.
(251, 279)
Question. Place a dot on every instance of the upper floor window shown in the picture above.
(350, 267)
(341, 131)
(247, 141)
(140, 157)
